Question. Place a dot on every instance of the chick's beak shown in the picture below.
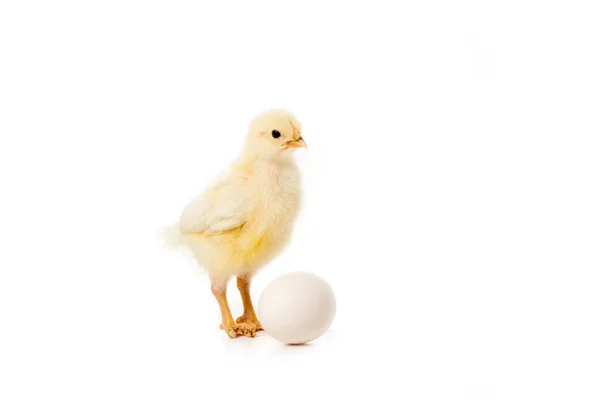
(296, 143)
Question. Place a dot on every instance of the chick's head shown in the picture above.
(274, 133)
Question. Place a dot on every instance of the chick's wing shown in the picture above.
(222, 208)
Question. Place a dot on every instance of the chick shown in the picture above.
(246, 217)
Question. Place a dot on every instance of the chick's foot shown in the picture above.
(234, 330)
(250, 320)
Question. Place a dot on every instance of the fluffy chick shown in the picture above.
(246, 217)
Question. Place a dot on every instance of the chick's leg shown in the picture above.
(249, 316)
(230, 327)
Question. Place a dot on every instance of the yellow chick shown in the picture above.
(246, 217)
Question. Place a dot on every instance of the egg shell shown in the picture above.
(297, 307)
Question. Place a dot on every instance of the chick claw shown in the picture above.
(240, 329)
(244, 319)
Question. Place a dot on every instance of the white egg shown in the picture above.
(296, 307)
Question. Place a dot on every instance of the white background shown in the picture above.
(451, 196)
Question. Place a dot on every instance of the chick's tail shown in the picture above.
(172, 237)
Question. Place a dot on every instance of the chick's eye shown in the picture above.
(276, 134)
